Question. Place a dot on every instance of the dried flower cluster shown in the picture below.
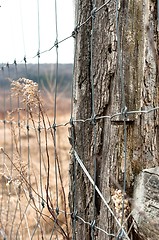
(27, 89)
(118, 202)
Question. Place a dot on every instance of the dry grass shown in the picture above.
(33, 173)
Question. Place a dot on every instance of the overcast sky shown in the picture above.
(19, 30)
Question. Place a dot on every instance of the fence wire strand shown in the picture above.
(73, 34)
(99, 192)
(93, 16)
(123, 105)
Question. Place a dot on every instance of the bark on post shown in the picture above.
(146, 203)
(135, 55)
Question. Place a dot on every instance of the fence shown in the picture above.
(34, 152)
(34, 188)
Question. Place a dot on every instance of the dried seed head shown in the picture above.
(119, 201)
(27, 90)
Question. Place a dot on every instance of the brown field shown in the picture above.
(26, 156)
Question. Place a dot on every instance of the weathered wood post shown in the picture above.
(125, 74)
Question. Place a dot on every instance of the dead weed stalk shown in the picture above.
(27, 92)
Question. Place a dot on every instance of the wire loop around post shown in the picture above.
(93, 12)
(74, 215)
(124, 111)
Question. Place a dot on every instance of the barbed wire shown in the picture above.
(57, 43)
(96, 227)
(73, 121)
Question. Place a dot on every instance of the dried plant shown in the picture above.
(35, 118)
(120, 201)
(27, 90)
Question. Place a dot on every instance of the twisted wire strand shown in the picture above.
(99, 193)
(77, 28)
(109, 117)
(93, 16)
(72, 130)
